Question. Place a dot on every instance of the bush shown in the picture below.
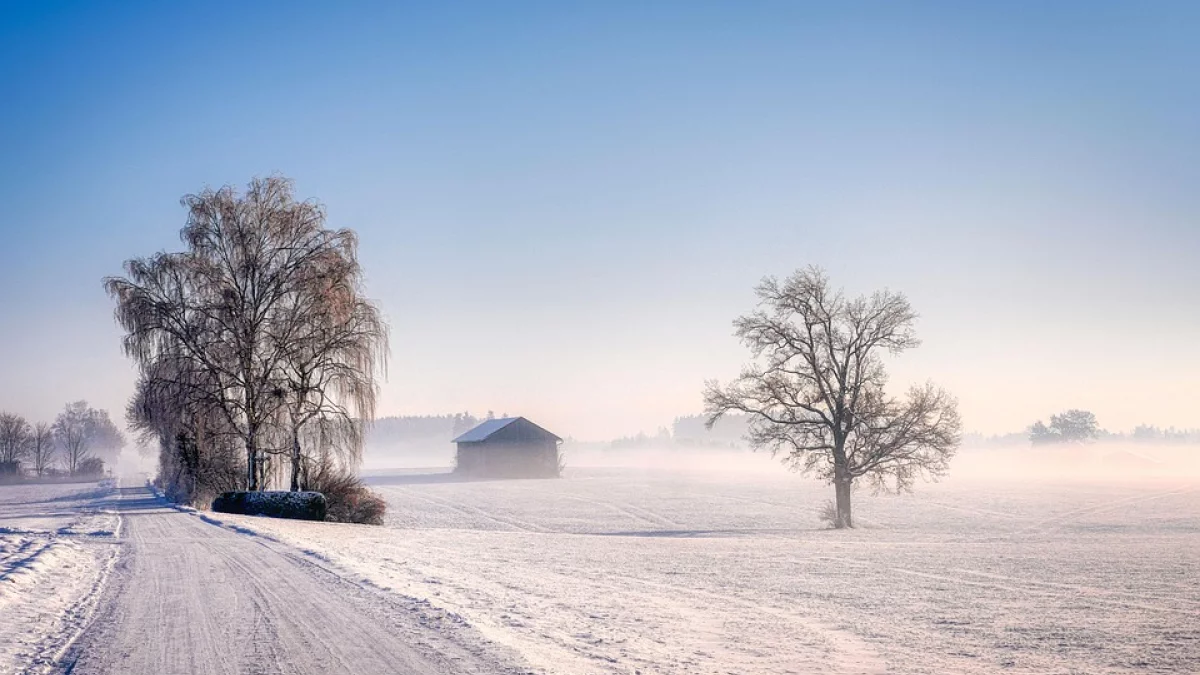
(92, 466)
(276, 504)
(349, 501)
(828, 514)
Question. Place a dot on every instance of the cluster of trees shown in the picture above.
(1081, 426)
(77, 443)
(1072, 426)
(256, 347)
(814, 392)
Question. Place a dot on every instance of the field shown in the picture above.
(56, 543)
(664, 571)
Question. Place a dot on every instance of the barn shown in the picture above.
(509, 447)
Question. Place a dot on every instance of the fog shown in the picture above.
(1099, 462)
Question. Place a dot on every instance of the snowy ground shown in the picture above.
(56, 547)
(655, 571)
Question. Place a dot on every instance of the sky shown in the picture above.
(563, 206)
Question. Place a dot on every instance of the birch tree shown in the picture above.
(239, 306)
(814, 392)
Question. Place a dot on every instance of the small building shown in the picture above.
(509, 447)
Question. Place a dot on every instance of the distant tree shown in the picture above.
(1145, 432)
(79, 430)
(41, 448)
(1072, 426)
(71, 431)
(105, 439)
(462, 423)
(815, 391)
(14, 439)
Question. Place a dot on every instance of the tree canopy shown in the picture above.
(815, 390)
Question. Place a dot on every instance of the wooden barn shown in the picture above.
(509, 447)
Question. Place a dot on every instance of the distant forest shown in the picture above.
(1142, 434)
(435, 432)
(420, 429)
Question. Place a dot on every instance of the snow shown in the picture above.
(661, 571)
(56, 548)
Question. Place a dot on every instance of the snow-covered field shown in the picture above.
(56, 546)
(662, 571)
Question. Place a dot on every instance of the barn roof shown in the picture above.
(489, 427)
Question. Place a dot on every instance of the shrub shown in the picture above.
(828, 514)
(348, 500)
(276, 504)
(92, 466)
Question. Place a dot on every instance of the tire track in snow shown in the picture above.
(1054, 522)
(1023, 586)
(468, 510)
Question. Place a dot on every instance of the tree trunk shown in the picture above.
(842, 487)
(251, 465)
(295, 460)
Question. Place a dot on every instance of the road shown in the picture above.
(188, 596)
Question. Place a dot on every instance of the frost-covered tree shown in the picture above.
(260, 321)
(815, 390)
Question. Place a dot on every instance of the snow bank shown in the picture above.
(276, 504)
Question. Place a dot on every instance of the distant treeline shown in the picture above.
(1142, 434)
(420, 429)
(436, 431)
(690, 431)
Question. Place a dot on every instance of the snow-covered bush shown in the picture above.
(276, 504)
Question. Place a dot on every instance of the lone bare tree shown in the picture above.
(815, 392)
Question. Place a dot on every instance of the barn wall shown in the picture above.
(509, 459)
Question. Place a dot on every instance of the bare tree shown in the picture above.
(41, 448)
(104, 438)
(815, 392)
(335, 342)
(72, 431)
(239, 307)
(14, 439)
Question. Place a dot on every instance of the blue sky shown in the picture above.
(562, 206)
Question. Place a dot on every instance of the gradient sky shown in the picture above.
(562, 206)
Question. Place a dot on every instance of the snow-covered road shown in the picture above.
(188, 597)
